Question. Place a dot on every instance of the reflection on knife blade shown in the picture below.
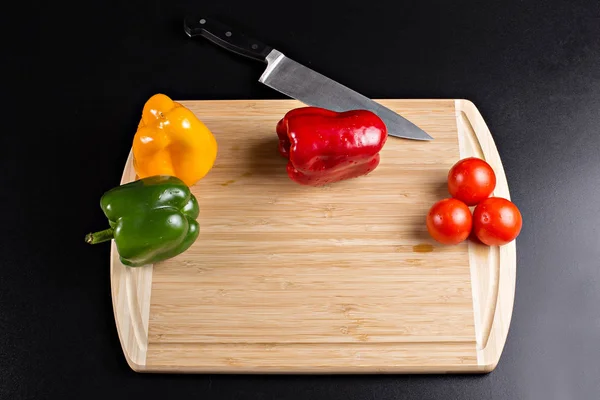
(303, 84)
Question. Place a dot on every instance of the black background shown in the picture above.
(75, 79)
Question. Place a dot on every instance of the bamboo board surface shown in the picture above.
(339, 279)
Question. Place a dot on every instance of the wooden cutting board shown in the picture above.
(339, 279)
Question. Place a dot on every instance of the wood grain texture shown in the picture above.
(338, 279)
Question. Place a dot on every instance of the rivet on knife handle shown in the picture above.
(226, 37)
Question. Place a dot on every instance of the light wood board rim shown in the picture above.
(496, 315)
(131, 288)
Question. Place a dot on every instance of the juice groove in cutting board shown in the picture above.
(339, 279)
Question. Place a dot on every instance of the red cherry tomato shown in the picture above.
(496, 221)
(471, 180)
(449, 221)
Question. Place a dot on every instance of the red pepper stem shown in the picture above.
(100, 236)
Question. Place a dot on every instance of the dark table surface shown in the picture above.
(79, 73)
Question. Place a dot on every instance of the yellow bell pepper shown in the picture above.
(171, 140)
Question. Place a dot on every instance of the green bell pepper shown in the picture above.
(151, 219)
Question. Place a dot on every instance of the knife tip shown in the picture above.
(422, 136)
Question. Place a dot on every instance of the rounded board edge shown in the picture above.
(493, 269)
(130, 292)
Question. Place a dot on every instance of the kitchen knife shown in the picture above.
(297, 81)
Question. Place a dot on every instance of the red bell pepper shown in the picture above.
(325, 146)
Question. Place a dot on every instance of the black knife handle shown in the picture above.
(226, 37)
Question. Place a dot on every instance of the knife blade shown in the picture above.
(298, 81)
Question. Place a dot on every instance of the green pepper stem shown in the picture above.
(100, 236)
